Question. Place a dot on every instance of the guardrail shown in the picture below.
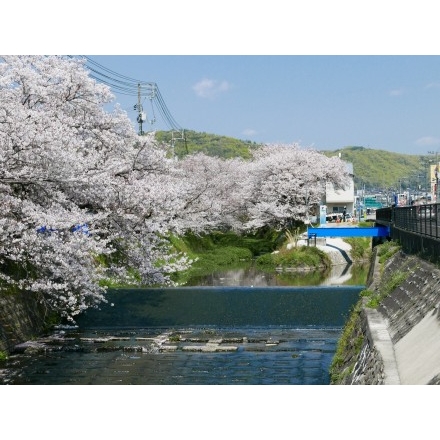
(421, 219)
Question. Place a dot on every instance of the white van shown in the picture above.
(349, 218)
(334, 217)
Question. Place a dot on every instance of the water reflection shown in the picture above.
(339, 274)
(249, 275)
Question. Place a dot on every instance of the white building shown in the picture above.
(338, 199)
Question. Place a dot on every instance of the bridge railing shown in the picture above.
(384, 215)
(421, 219)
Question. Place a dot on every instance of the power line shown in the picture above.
(133, 87)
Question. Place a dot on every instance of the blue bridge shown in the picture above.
(349, 231)
(416, 228)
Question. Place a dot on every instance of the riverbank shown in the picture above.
(398, 340)
(337, 249)
(22, 318)
(395, 342)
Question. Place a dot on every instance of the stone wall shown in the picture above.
(21, 318)
(369, 370)
(395, 335)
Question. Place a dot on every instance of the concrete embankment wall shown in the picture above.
(21, 319)
(401, 338)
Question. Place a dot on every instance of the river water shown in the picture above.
(219, 333)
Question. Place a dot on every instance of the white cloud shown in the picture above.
(433, 85)
(249, 132)
(209, 88)
(396, 92)
(427, 141)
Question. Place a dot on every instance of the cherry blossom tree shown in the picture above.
(208, 187)
(85, 199)
(277, 187)
(65, 162)
(285, 181)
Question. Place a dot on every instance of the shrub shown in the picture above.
(386, 250)
(348, 347)
(387, 286)
(360, 248)
(301, 257)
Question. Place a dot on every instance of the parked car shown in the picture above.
(427, 212)
(349, 218)
(334, 217)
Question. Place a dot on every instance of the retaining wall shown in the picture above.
(401, 338)
(21, 319)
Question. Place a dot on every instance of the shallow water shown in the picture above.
(246, 356)
(194, 335)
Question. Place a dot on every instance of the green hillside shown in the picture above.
(374, 169)
(384, 169)
(210, 144)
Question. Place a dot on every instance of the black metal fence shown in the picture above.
(421, 219)
(415, 227)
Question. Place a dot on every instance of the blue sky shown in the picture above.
(325, 102)
(322, 74)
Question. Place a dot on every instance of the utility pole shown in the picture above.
(140, 111)
(436, 170)
(141, 115)
(428, 180)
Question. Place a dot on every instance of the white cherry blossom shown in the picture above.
(84, 198)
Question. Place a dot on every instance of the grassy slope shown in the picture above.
(372, 168)
(384, 169)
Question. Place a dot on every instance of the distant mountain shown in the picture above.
(376, 169)
(190, 142)
(384, 169)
